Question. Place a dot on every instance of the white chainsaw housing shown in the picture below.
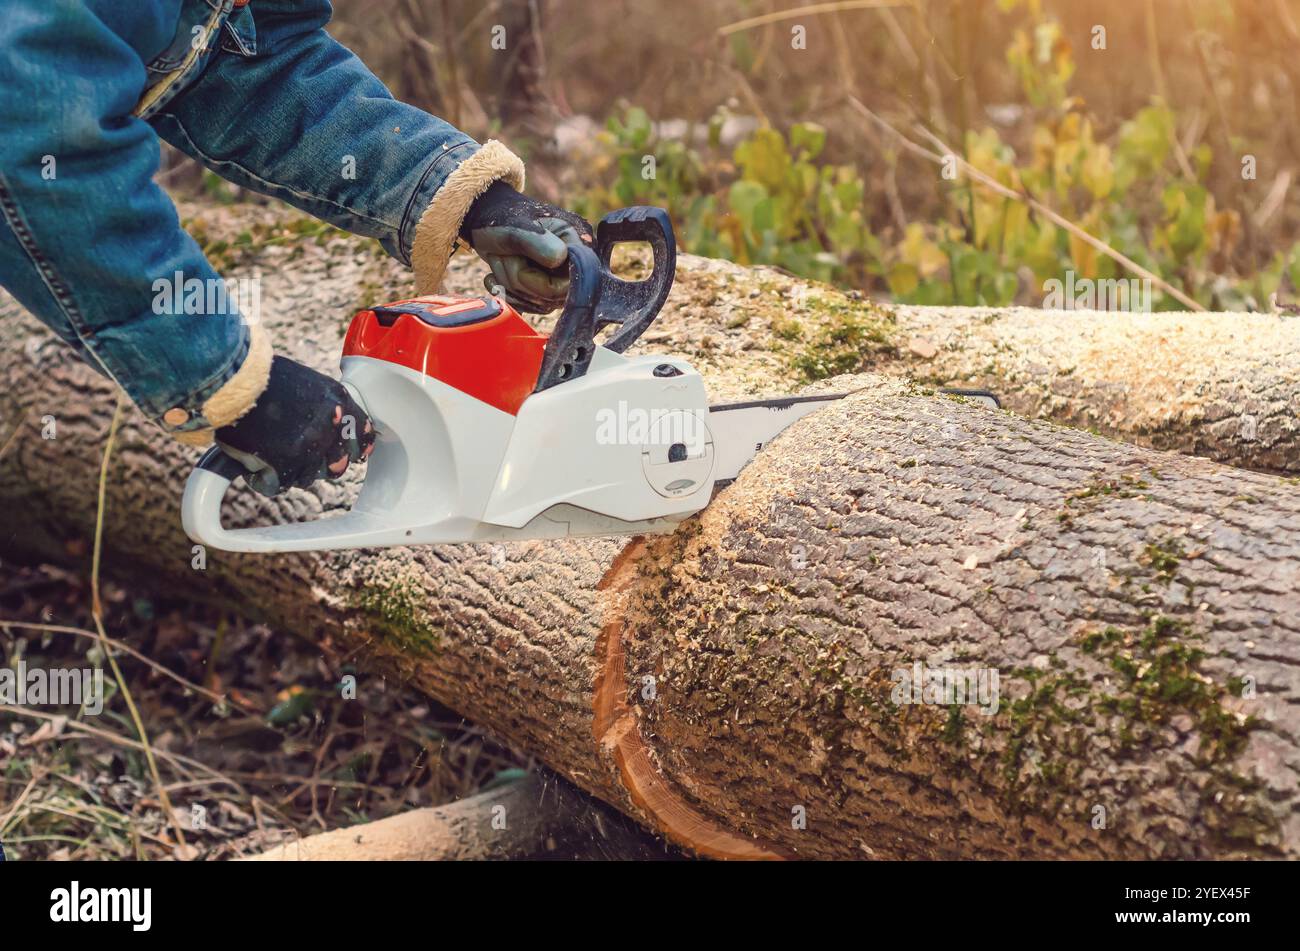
(585, 457)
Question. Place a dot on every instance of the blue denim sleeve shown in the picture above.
(85, 234)
(289, 112)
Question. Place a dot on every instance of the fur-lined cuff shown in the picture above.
(439, 226)
(238, 394)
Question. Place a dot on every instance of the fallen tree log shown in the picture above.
(736, 686)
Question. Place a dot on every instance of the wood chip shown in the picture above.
(923, 348)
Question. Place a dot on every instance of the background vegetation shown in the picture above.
(1169, 136)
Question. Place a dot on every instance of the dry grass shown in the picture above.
(245, 723)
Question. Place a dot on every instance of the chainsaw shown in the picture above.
(490, 431)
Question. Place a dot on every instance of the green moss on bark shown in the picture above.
(398, 605)
(850, 337)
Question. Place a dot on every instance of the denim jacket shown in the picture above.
(255, 90)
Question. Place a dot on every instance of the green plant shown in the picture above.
(771, 201)
(777, 198)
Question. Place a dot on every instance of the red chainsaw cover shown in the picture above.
(479, 345)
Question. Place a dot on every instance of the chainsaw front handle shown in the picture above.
(598, 299)
(634, 304)
(570, 347)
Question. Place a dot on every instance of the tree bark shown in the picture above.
(1223, 386)
(734, 685)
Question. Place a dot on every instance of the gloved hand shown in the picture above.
(524, 242)
(305, 426)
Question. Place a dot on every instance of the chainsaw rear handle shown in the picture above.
(211, 479)
(201, 517)
(598, 299)
(201, 503)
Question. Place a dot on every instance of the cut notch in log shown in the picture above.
(617, 732)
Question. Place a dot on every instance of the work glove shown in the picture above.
(524, 242)
(305, 426)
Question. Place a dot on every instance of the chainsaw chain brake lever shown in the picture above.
(634, 304)
(598, 299)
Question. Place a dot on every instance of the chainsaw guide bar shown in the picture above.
(745, 428)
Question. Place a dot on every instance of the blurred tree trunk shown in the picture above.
(526, 105)
(1224, 386)
(539, 816)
